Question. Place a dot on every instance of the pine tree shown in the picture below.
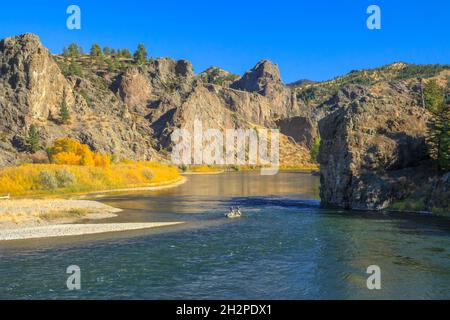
(33, 140)
(125, 53)
(96, 51)
(433, 96)
(66, 53)
(106, 51)
(73, 50)
(64, 113)
(141, 54)
(439, 128)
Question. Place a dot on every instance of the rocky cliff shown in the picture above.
(374, 153)
(127, 110)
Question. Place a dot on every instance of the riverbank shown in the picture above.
(38, 180)
(151, 187)
(22, 219)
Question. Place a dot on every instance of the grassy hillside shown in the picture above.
(316, 93)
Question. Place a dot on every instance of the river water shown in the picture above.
(284, 247)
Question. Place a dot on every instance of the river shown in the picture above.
(284, 247)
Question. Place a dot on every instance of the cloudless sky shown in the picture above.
(314, 39)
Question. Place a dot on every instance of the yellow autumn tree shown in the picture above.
(71, 152)
(69, 158)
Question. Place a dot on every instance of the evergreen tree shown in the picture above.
(125, 53)
(72, 69)
(73, 50)
(106, 51)
(141, 54)
(433, 95)
(66, 52)
(96, 51)
(33, 139)
(439, 130)
(64, 113)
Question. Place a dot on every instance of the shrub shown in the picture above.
(65, 178)
(314, 151)
(147, 173)
(48, 181)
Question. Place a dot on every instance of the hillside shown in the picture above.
(124, 109)
(317, 93)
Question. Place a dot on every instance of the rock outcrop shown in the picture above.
(302, 129)
(440, 194)
(31, 81)
(367, 151)
(264, 78)
(134, 87)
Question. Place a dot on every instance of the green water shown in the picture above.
(285, 247)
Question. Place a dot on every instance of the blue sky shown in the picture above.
(308, 39)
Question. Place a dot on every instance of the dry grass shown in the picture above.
(48, 179)
(54, 215)
(32, 211)
(205, 169)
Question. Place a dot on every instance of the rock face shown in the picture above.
(265, 80)
(134, 87)
(31, 81)
(32, 89)
(302, 129)
(129, 111)
(218, 76)
(368, 149)
(166, 68)
(440, 194)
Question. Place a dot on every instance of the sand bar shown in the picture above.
(51, 231)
